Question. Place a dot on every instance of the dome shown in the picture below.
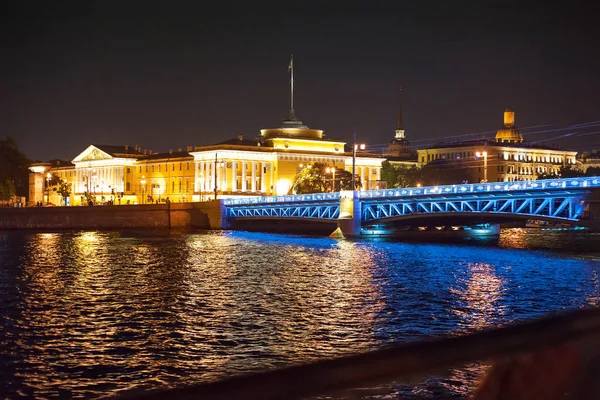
(509, 134)
(292, 129)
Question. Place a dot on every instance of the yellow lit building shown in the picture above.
(237, 167)
(507, 158)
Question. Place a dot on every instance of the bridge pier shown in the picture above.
(349, 221)
(592, 219)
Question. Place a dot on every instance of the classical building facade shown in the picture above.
(505, 159)
(237, 167)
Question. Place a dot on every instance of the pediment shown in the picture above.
(92, 153)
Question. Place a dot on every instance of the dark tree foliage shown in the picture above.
(314, 178)
(568, 172)
(14, 172)
(400, 175)
(445, 172)
(59, 186)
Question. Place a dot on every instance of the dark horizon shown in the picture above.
(167, 77)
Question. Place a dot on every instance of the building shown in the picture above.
(587, 160)
(507, 158)
(263, 166)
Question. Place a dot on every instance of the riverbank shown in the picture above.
(206, 215)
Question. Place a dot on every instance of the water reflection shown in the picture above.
(480, 290)
(92, 314)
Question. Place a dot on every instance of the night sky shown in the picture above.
(169, 74)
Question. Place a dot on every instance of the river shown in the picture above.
(97, 314)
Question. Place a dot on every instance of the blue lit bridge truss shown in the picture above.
(317, 207)
(550, 206)
(554, 199)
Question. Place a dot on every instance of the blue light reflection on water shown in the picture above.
(98, 313)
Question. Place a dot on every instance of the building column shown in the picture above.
(205, 176)
(244, 185)
(378, 173)
(263, 177)
(362, 177)
(234, 176)
(224, 184)
(272, 177)
(196, 177)
(253, 176)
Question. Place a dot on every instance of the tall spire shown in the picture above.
(400, 127)
(292, 116)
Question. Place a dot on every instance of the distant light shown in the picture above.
(283, 186)
(418, 185)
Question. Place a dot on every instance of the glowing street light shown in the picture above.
(354, 148)
(484, 154)
(331, 170)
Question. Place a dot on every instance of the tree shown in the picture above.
(445, 172)
(63, 188)
(398, 176)
(315, 179)
(14, 170)
(565, 172)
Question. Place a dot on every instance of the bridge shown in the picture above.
(571, 201)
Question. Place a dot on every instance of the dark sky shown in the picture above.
(169, 74)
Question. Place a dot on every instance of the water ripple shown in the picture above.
(95, 314)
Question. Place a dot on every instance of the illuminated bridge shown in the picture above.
(571, 201)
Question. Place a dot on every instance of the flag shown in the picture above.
(291, 64)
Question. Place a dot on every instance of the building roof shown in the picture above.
(240, 141)
(491, 143)
(163, 156)
(114, 150)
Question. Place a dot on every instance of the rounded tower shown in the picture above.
(509, 133)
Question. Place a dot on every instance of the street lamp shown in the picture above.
(354, 148)
(48, 177)
(484, 154)
(143, 182)
(331, 170)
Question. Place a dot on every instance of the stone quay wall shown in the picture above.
(207, 215)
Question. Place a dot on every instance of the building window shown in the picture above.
(140, 169)
(173, 186)
(153, 168)
(180, 166)
(128, 186)
(173, 167)
(180, 186)
(128, 170)
(146, 169)
(187, 166)
(158, 167)
(422, 160)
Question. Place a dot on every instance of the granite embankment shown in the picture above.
(206, 215)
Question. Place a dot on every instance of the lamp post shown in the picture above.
(215, 173)
(48, 177)
(331, 170)
(484, 154)
(354, 148)
(143, 182)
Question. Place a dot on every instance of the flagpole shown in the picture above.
(291, 68)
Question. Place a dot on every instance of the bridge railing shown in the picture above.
(292, 198)
(561, 183)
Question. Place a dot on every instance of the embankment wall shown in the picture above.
(175, 215)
